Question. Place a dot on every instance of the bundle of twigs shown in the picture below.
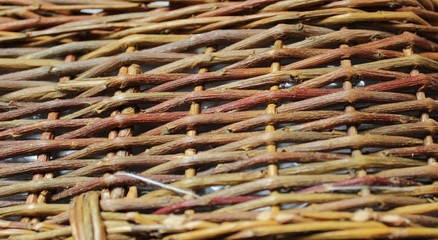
(208, 119)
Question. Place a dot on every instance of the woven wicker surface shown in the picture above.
(303, 119)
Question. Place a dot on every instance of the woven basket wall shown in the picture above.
(257, 119)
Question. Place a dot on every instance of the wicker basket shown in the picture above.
(205, 119)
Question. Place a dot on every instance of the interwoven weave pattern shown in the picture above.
(295, 119)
